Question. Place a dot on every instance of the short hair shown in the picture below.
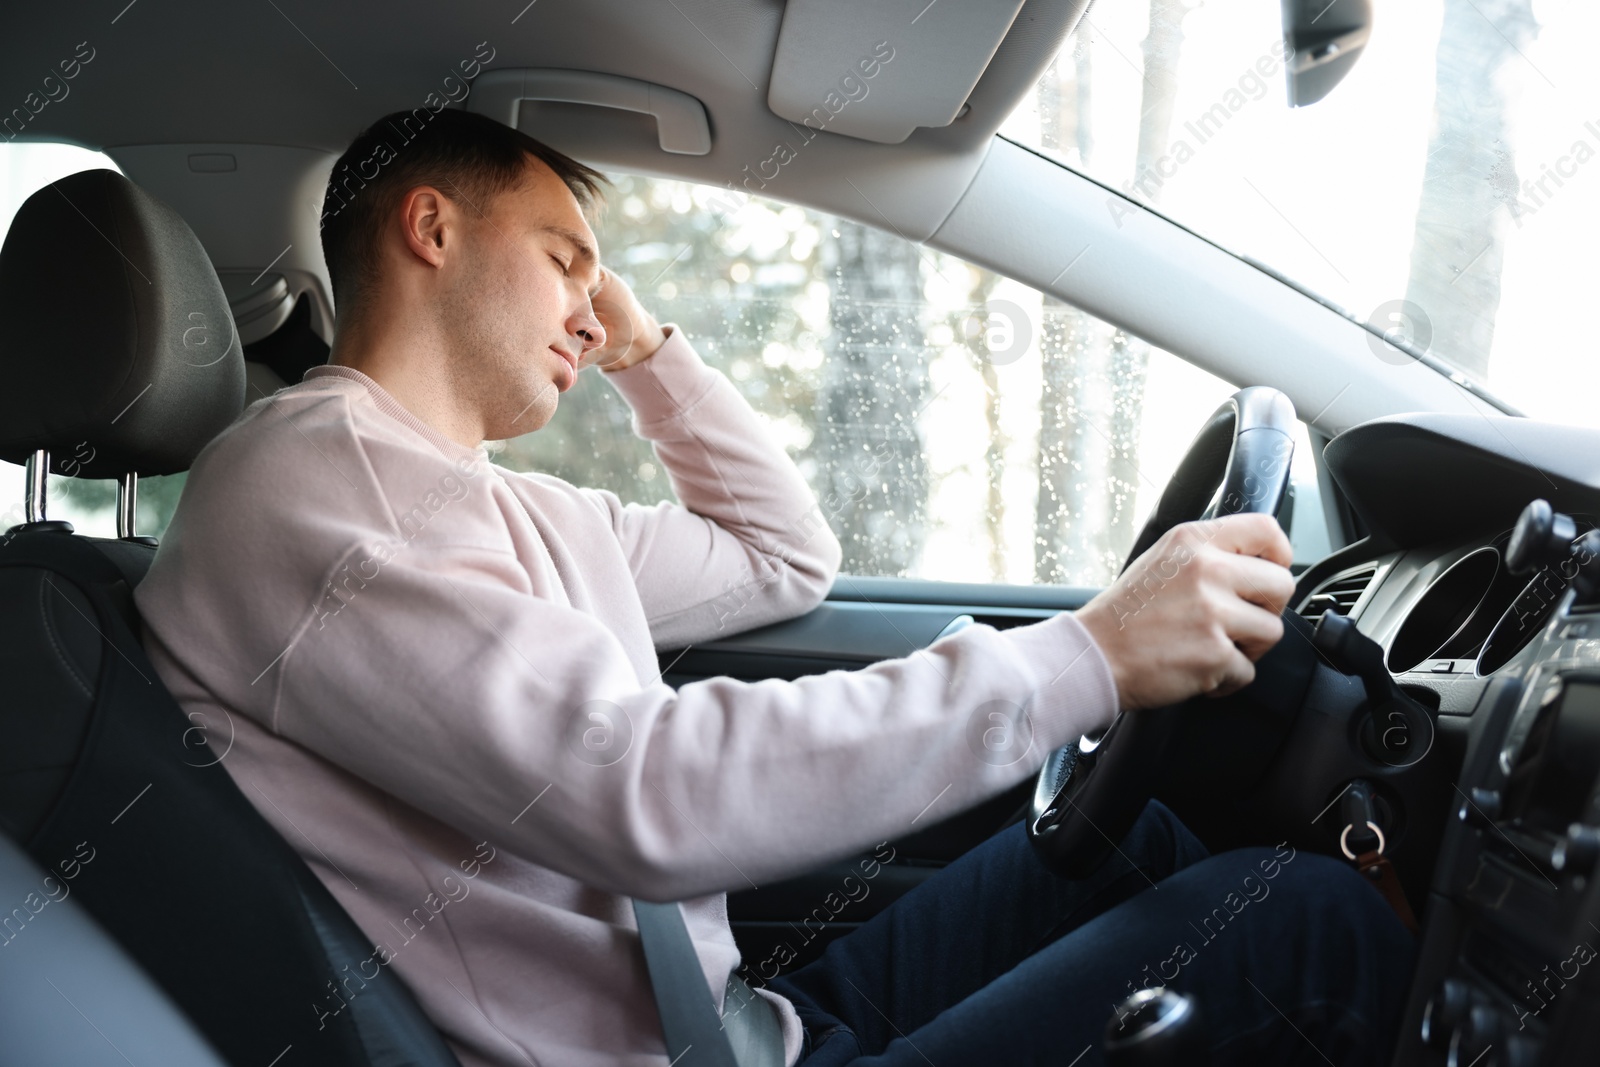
(462, 153)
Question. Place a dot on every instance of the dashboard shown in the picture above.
(1507, 658)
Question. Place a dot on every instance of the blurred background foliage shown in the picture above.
(824, 326)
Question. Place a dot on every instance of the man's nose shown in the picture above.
(587, 328)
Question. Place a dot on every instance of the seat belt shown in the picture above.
(756, 1034)
(747, 1034)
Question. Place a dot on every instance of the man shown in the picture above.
(443, 682)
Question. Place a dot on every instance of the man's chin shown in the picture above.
(537, 412)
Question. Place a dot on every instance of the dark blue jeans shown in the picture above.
(1292, 957)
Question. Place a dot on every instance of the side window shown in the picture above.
(90, 505)
(954, 424)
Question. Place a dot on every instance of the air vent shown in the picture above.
(1339, 594)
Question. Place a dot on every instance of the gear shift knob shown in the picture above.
(1155, 1028)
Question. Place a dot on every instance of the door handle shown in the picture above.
(681, 124)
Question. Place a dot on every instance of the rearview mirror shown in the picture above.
(1324, 38)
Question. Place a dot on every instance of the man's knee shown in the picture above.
(1304, 882)
(1321, 897)
(1337, 895)
(1158, 815)
(1321, 883)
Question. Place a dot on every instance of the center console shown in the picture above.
(1509, 968)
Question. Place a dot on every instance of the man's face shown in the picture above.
(516, 301)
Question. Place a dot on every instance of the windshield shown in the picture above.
(1445, 190)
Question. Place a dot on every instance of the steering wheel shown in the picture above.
(1089, 793)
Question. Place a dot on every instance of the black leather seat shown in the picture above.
(118, 356)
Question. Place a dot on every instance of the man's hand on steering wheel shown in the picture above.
(1193, 614)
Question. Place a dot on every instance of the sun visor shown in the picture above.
(878, 71)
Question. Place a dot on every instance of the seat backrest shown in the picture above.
(101, 773)
(171, 857)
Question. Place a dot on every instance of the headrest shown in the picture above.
(117, 350)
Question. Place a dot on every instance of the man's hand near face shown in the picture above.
(632, 333)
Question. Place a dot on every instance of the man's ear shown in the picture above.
(426, 217)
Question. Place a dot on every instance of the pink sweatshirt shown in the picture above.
(437, 679)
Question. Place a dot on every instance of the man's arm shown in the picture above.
(749, 545)
(450, 686)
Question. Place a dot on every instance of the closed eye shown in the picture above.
(566, 267)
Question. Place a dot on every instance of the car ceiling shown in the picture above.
(283, 85)
(311, 75)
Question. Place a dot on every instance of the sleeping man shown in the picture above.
(443, 680)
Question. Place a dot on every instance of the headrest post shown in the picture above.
(38, 473)
(127, 504)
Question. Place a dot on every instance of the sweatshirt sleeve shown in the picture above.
(749, 545)
(521, 720)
